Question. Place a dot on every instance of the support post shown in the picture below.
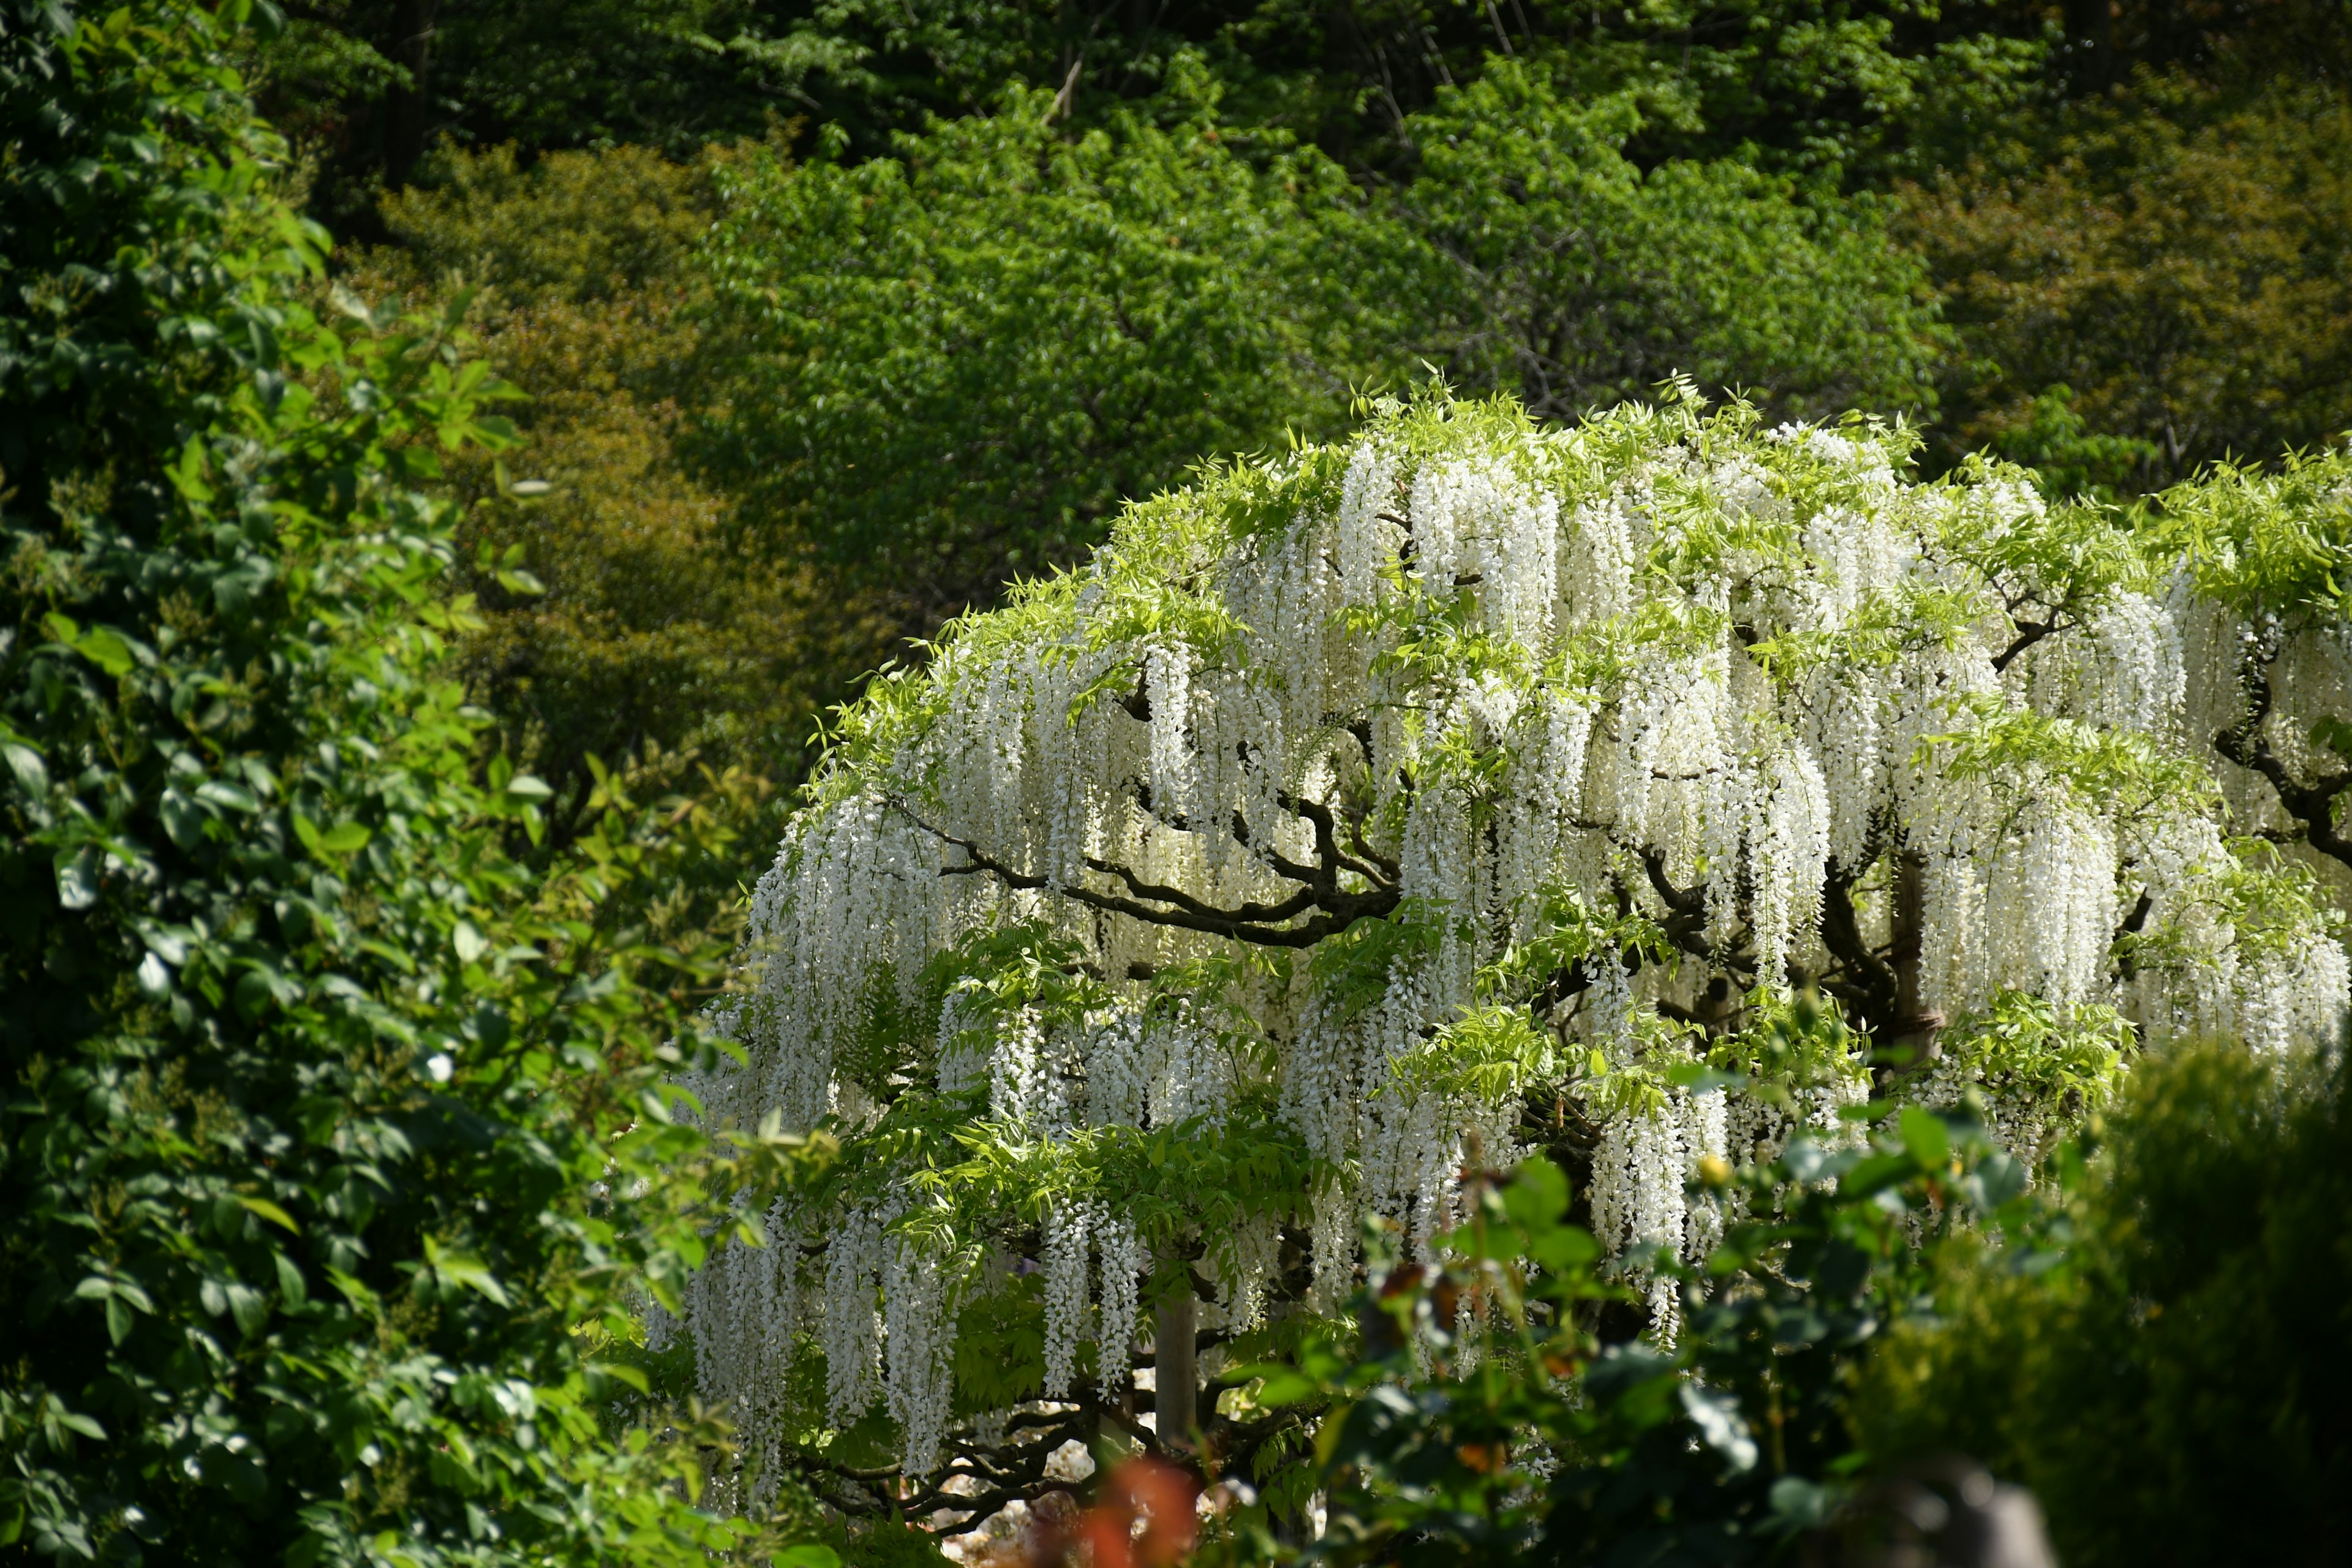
(1914, 1027)
(1175, 1370)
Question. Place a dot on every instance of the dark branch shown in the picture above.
(2312, 805)
(1866, 983)
(1686, 921)
(1261, 924)
(2028, 634)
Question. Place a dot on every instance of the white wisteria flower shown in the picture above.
(1382, 810)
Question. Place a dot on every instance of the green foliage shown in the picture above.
(330, 1134)
(653, 646)
(2056, 442)
(1495, 1054)
(1822, 84)
(2274, 546)
(1573, 280)
(571, 228)
(2176, 1390)
(2027, 1050)
(1478, 1417)
(369, 89)
(962, 360)
(1861, 87)
(2165, 268)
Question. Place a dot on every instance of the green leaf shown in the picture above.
(184, 822)
(1926, 1134)
(270, 1212)
(77, 878)
(621, 1372)
(74, 1421)
(25, 766)
(1538, 1194)
(1697, 1078)
(1284, 1386)
(107, 650)
(1564, 1248)
(1716, 1415)
(466, 1270)
(254, 994)
(103, 646)
(807, 1555)
(249, 1307)
(226, 795)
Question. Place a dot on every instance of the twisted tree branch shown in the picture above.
(2311, 804)
(1262, 924)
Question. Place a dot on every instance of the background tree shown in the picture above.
(367, 88)
(929, 341)
(653, 635)
(1372, 812)
(1820, 85)
(2175, 266)
(1569, 278)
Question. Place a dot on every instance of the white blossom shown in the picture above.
(1717, 689)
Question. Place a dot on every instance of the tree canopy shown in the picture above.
(1360, 815)
(955, 364)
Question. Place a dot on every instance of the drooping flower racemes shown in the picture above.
(1384, 808)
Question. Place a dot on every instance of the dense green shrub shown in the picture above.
(2157, 1342)
(324, 1124)
(2177, 1391)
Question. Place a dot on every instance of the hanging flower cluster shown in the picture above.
(1362, 815)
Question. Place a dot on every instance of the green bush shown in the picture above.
(2177, 1390)
(326, 1131)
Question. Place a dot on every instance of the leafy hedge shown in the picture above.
(322, 1119)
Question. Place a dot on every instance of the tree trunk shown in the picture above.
(2090, 44)
(1914, 1028)
(408, 111)
(1175, 1371)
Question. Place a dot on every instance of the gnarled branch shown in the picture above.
(2312, 805)
(1333, 908)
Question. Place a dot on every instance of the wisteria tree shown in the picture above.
(1384, 810)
